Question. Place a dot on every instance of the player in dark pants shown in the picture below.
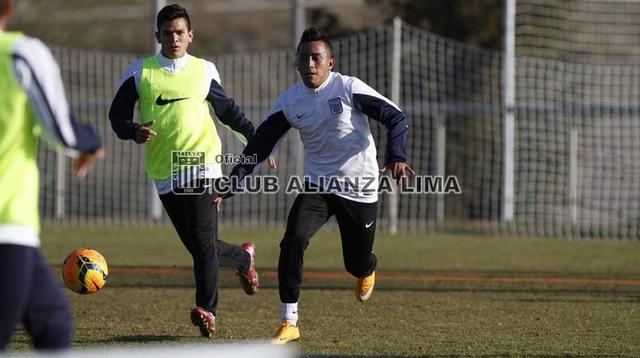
(308, 214)
(175, 91)
(32, 102)
(32, 295)
(331, 111)
(195, 220)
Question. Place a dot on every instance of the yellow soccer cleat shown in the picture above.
(286, 333)
(364, 287)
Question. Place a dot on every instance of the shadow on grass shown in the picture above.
(633, 293)
(467, 355)
(623, 299)
(160, 270)
(143, 338)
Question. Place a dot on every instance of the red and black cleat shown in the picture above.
(249, 279)
(205, 320)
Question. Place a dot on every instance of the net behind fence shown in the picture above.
(576, 157)
(588, 31)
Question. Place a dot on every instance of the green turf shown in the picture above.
(423, 318)
(434, 253)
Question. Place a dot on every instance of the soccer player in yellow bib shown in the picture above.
(174, 91)
(32, 102)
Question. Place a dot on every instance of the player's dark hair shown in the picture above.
(315, 34)
(170, 13)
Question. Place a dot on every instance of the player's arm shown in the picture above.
(39, 75)
(226, 108)
(262, 143)
(121, 111)
(123, 105)
(228, 111)
(379, 108)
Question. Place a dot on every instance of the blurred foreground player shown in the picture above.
(32, 102)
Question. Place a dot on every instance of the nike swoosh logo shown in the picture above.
(301, 115)
(161, 101)
(368, 225)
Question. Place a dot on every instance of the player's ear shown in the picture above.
(191, 35)
(332, 62)
(158, 36)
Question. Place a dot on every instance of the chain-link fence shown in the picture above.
(576, 157)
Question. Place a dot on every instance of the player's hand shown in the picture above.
(144, 133)
(82, 163)
(399, 170)
(271, 162)
(218, 201)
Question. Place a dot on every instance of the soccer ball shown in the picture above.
(85, 271)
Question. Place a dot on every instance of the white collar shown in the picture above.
(322, 86)
(173, 65)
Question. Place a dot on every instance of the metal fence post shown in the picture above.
(509, 108)
(441, 152)
(155, 206)
(60, 183)
(573, 173)
(396, 58)
(298, 23)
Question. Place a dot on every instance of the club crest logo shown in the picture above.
(335, 105)
(187, 172)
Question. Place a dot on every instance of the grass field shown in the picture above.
(435, 296)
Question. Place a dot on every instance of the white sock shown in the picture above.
(289, 312)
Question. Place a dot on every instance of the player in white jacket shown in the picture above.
(330, 111)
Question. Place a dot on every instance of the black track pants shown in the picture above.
(357, 223)
(195, 218)
(30, 293)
